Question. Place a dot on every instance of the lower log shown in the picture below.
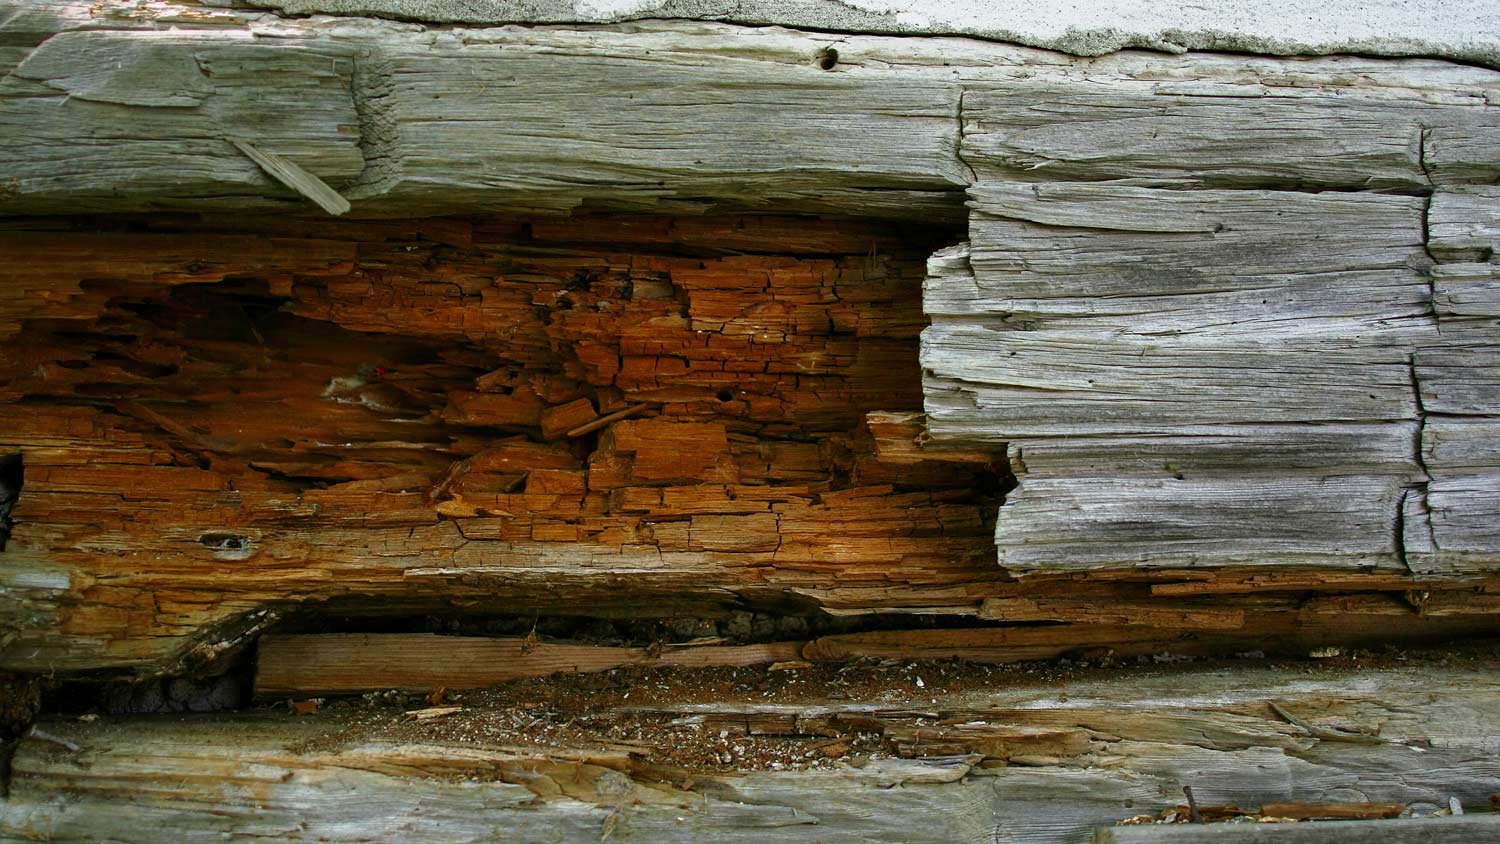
(1121, 745)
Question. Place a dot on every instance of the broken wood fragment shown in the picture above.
(431, 713)
(288, 173)
(564, 419)
(606, 420)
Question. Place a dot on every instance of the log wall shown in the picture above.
(1224, 313)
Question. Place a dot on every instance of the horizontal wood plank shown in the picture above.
(684, 117)
(1084, 751)
(1466, 291)
(1069, 523)
(1464, 223)
(355, 662)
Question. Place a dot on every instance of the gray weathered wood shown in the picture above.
(1065, 131)
(1057, 383)
(1464, 224)
(1300, 519)
(1466, 290)
(1266, 131)
(1459, 383)
(104, 120)
(1136, 347)
(681, 116)
(1330, 267)
(1118, 749)
(1460, 380)
(1256, 451)
(686, 118)
(1458, 527)
(294, 177)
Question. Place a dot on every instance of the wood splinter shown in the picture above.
(41, 735)
(288, 173)
(591, 427)
(1321, 732)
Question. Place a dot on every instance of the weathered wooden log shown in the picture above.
(1173, 364)
(1025, 762)
(402, 119)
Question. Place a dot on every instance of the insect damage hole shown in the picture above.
(826, 58)
(228, 546)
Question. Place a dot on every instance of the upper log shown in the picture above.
(127, 108)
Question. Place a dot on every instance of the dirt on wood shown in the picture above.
(736, 719)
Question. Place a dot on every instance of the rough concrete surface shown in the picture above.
(1465, 30)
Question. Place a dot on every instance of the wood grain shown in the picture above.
(1080, 753)
(336, 663)
(683, 117)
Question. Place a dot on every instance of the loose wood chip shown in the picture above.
(431, 713)
(288, 173)
(790, 665)
(591, 427)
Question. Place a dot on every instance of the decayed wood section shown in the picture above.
(1027, 763)
(606, 416)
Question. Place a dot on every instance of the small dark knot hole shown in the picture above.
(827, 58)
(224, 542)
(724, 395)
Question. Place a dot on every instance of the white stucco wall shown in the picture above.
(1465, 30)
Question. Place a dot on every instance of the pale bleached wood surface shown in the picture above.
(1046, 762)
(130, 107)
(1212, 339)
